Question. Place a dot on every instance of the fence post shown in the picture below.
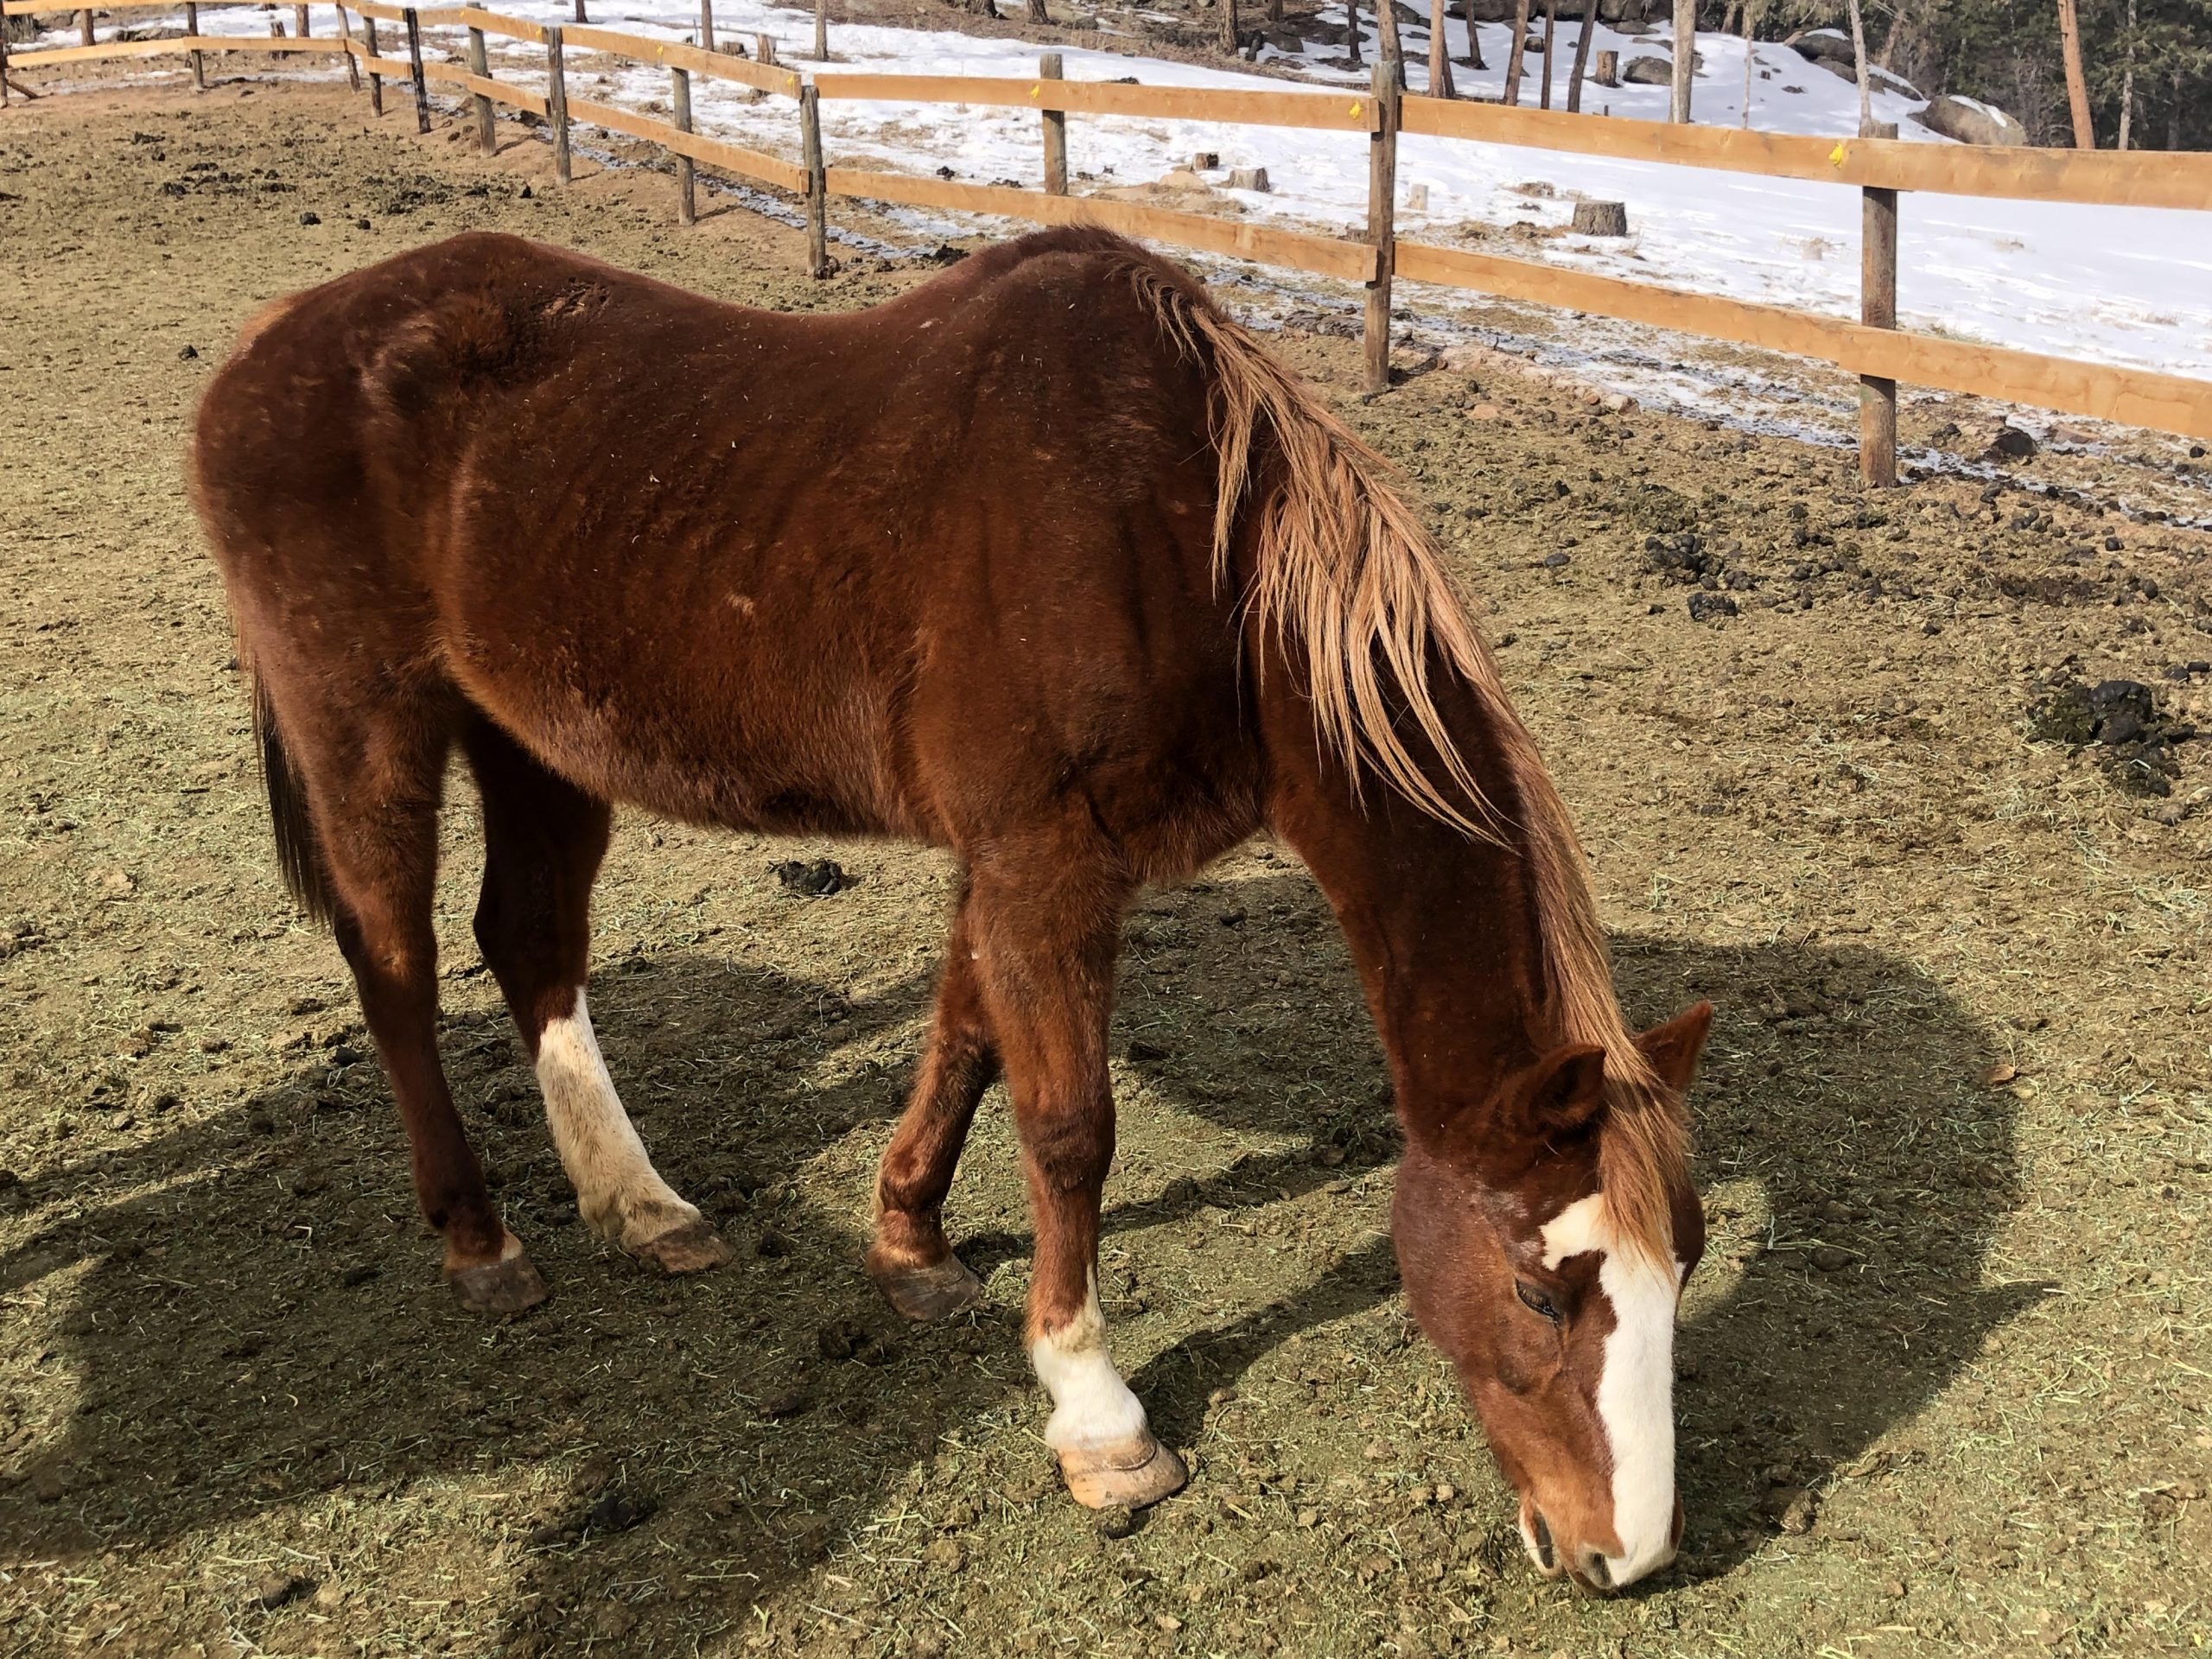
(686, 210)
(1877, 308)
(556, 100)
(85, 25)
(1056, 132)
(478, 66)
(376, 81)
(5, 96)
(353, 63)
(707, 25)
(1382, 209)
(817, 183)
(299, 22)
(764, 48)
(415, 68)
(200, 61)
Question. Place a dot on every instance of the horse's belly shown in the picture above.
(736, 741)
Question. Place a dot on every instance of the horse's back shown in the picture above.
(735, 565)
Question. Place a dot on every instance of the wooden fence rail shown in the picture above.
(1879, 167)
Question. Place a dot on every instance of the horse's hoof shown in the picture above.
(507, 1286)
(1135, 1473)
(929, 1292)
(689, 1247)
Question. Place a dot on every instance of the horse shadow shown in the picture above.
(253, 1319)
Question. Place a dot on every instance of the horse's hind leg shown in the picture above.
(544, 841)
(373, 786)
(910, 1260)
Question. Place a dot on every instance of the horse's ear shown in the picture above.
(1674, 1047)
(1565, 1089)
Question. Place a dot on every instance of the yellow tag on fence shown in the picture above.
(1354, 111)
(1835, 156)
(1036, 91)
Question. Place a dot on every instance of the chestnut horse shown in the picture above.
(1047, 562)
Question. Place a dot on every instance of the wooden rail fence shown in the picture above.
(1881, 167)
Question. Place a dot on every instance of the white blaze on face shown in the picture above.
(617, 1190)
(1092, 1408)
(1636, 1386)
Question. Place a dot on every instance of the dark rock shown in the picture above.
(1705, 606)
(310, 218)
(1830, 1258)
(1971, 122)
(187, 354)
(1648, 72)
(1555, 561)
(791, 1403)
(1823, 46)
(2011, 443)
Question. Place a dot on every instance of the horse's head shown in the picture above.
(1545, 1253)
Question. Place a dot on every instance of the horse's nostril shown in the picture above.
(1546, 1557)
(1595, 1570)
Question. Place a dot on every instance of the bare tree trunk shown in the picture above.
(1551, 30)
(1513, 53)
(2077, 89)
(1678, 107)
(2173, 116)
(1439, 52)
(1386, 32)
(1474, 38)
(1750, 40)
(1582, 56)
(2127, 82)
(1351, 23)
(1858, 57)
(1036, 12)
(1275, 11)
(1229, 27)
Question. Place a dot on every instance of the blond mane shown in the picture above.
(1346, 569)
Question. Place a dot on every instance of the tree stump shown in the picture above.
(1600, 218)
(1249, 178)
(1608, 73)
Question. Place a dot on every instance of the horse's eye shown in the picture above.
(1535, 1300)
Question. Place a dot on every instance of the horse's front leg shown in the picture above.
(1043, 949)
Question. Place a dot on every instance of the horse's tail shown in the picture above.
(297, 856)
(1343, 567)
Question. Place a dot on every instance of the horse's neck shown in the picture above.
(1445, 933)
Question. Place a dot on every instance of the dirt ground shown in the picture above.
(1947, 1381)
